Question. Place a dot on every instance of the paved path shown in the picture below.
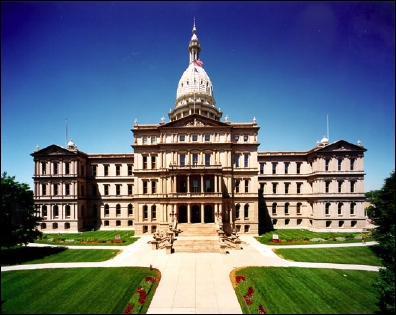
(197, 283)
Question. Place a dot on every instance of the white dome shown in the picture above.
(324, 140)
(194, 81)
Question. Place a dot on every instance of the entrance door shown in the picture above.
(209, 217)
(182, 214)
(195, 214)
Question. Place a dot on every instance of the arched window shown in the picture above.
(274, 208)
(246, 211)
(44, 211)
(340, 208)
(352, 209)
(55, 210)
(327, 208)
(237, 210)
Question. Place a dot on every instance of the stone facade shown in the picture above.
(196, 169)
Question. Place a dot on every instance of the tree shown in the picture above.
(371, 197)
(384, 234)
(18, 214)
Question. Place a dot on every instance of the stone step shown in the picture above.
(197, 229)
(187, 245)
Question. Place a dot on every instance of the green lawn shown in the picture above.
(108, 290)
(72, 290)
(89, 238)
(295, 236)
(307, 291)
(362, 255)
(43, 255)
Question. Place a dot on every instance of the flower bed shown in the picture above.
(252, 299)
(139, 297)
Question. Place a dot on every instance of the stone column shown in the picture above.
(188, 213)
(202, 213)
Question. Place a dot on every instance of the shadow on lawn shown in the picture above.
(20, 255)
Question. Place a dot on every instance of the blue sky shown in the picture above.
(101, 65)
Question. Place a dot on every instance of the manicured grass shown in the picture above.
(43, 255)
(72, 290)
(294, 237)
(307, 291)
(89, 238)
(362, 255)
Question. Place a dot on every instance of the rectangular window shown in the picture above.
(246, 185)
(182, 159)
(246, 160)
(340, 209)
(195, 159)
(261, 168)
(207, 159)
(298, 168)
(236, 160)
(129, 170)
(145, 162)
(55, 189)
(237, 186)
(118, 190)
(106, 190)
(327, 187)
(153, 140)
(339, 186)
(153, 163)
(67, 168)
(94, 168)
(207, 137)
(352, 164)
(144, 187)
(326, 165)
(352, 208)
(245, 138)
(130, 189)
(287, 188)
(274, 187)
(106, 170)
(207, 185)
(299, 188)
(67, 189)
(55, 166)
(195, 185)
(194, 138)
(181, 138)
(118, 170)
(153, 187)
(236, 138)
(339, 164)
(273, 168)
(43, 168)
(144, 140)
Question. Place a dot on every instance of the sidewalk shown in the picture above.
(197, 283)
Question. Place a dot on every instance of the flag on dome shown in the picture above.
(198, 63)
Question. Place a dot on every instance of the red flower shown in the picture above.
(262, 310)
(128, 309)
(240, 279)
(149, 279)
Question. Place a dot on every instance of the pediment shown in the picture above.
(53, 150)
(342, 146)
(195, 120)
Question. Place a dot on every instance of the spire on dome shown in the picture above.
(194, 47)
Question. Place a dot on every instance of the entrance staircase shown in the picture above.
(196, 238)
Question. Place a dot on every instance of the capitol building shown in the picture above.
(200, 169)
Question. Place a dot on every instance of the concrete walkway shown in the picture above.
(197, 283)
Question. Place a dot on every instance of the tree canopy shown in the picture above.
(384, 234)
(18, 214)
